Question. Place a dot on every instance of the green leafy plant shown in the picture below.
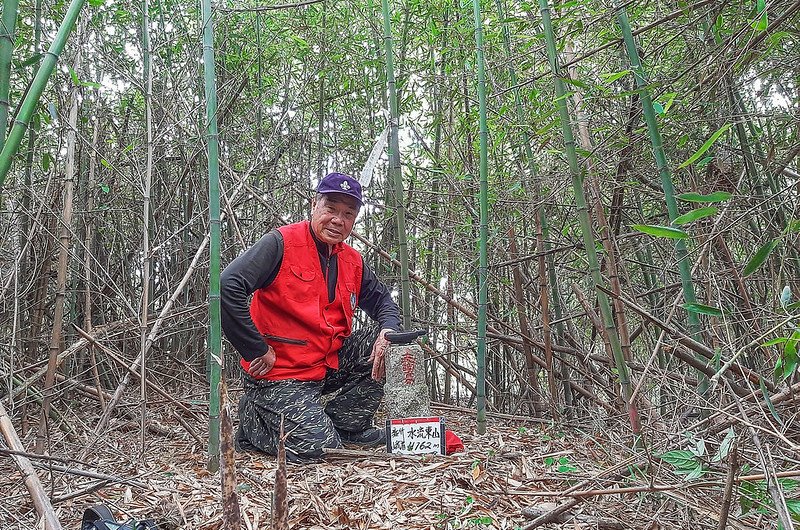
(753, 495)
(563, 464)
(693, 462)
(461, 520)
(786, 364)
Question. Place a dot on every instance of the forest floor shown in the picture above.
(520, 467)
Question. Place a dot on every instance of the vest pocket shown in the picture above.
(303, 287)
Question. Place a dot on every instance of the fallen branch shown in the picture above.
(657, 488)
(92, 474)
(601, 523)
(40, 500)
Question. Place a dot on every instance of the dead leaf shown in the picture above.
(476, 471)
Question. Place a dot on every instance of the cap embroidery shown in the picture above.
(345, 185)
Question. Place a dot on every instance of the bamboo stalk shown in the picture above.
(483, 272)
(25, 220)
(28, 105)
(532, 383)
(7, 25)
(87, 261)
(65, 241)
(452, 303)
(586, 228)
(727, 496)
(215, 337)
(148, 177)
(681, 253)
(395, 173)
(231, 512)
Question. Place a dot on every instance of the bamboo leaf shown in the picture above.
(761, 12)
(792, 226)
(694, 215)
(773, 342)
(703, 309)
(74, 76)
(717, 196)
(706, 146)
(610, 78)
(768, 402)
(759, 257)
(670, 99)
(662, 231)
(725, 446)
(787, 362)
(33, 59)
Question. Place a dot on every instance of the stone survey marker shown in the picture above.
(410, 427)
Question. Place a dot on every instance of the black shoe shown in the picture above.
(371, 437)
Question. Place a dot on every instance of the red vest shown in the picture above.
(295, 306)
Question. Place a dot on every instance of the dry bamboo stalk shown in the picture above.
(653, 488)
(532, 380)
(492, 331)
(733, 467)
(40, 500)
(599, 523)
(604, 228)
(87, 262)
(65, 240)
(693, 345)
(92, 474)
(151, 337)
(231, 514)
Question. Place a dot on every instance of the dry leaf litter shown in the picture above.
(499, 478)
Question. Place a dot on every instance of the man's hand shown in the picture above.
(261, 365)
(378, 356)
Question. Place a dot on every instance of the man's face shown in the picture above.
(332, 217)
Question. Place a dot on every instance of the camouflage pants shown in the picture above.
(309, 426)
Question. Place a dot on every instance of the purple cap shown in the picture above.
(341, 183)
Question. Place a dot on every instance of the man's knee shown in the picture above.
(309, 441)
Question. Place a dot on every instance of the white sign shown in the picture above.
(415, 436)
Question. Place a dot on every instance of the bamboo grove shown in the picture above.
(638, 164)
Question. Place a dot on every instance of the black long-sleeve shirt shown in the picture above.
(258, 267)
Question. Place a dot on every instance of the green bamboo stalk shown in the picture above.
(684, 265)
(394, 168)
(28, 105)
(483, 272)
(215, 324)
(606, 313)
(7, 25)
